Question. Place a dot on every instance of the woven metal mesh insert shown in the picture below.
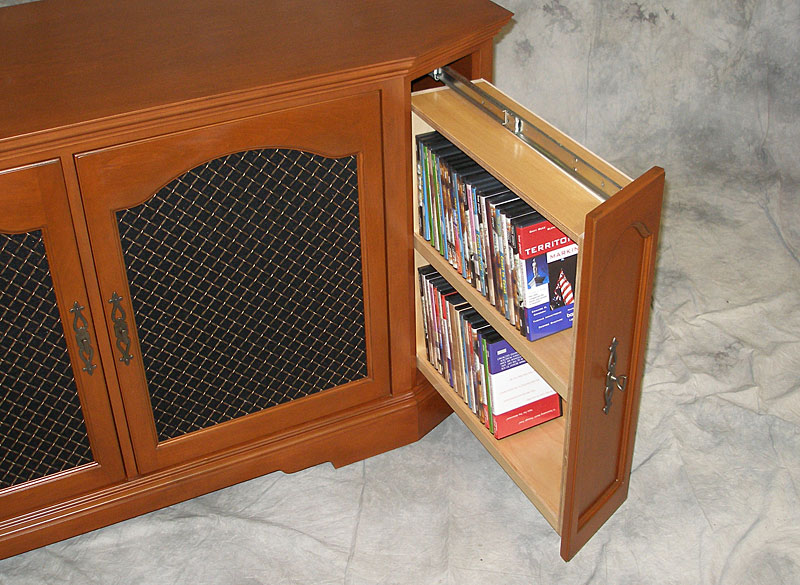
(245, 274)
(41, 422)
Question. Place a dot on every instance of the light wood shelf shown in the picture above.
(558, 136)
(532, 458)
(547, 188)
(550, 356)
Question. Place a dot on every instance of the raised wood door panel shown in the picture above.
(57, 436)
(615, 291)
(333, 139)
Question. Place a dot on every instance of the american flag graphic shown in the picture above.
(565, 288)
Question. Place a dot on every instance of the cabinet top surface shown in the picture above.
(63, 63)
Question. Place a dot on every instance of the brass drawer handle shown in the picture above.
(82, 338)
(612, 380)
(120, 328)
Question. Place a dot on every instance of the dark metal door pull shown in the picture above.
(612, 380)
(82, 338)
(120, 328)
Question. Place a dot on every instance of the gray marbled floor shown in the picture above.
(709, 90)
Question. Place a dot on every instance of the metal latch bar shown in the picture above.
(528, 131)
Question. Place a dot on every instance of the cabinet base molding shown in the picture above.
(372, 430)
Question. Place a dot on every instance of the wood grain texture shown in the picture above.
(400, 179)
(97, 306)
(564, 140)
(616, 287)
(396, 103)
(66, 63)
(548, 189)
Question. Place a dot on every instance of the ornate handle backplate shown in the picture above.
(612, 380)
(81, 328)
(120, 328)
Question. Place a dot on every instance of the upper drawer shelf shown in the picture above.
(548, 188)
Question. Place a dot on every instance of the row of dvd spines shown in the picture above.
(491, 236)
(494, 381)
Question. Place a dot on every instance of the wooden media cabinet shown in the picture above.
(207, 257)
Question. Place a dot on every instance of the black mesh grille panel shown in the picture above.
(246, 280)
(41, 423)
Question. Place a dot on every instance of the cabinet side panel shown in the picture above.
(616, 284)
(396, 105)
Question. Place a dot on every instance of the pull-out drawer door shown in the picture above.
(57, 436)
(599, 375)
(616, 285)
(242, 265)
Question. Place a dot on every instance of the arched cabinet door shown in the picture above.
(243, 269)
(57, 436)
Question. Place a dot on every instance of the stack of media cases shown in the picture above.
(498, 385)
(511, 254)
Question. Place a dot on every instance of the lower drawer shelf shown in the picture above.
(549, 356)
(533, 458)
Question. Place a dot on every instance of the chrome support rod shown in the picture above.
(527, 131)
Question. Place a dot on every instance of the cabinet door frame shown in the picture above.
(33, 197)
(123, 176)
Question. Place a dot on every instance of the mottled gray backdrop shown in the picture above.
(699, 87)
